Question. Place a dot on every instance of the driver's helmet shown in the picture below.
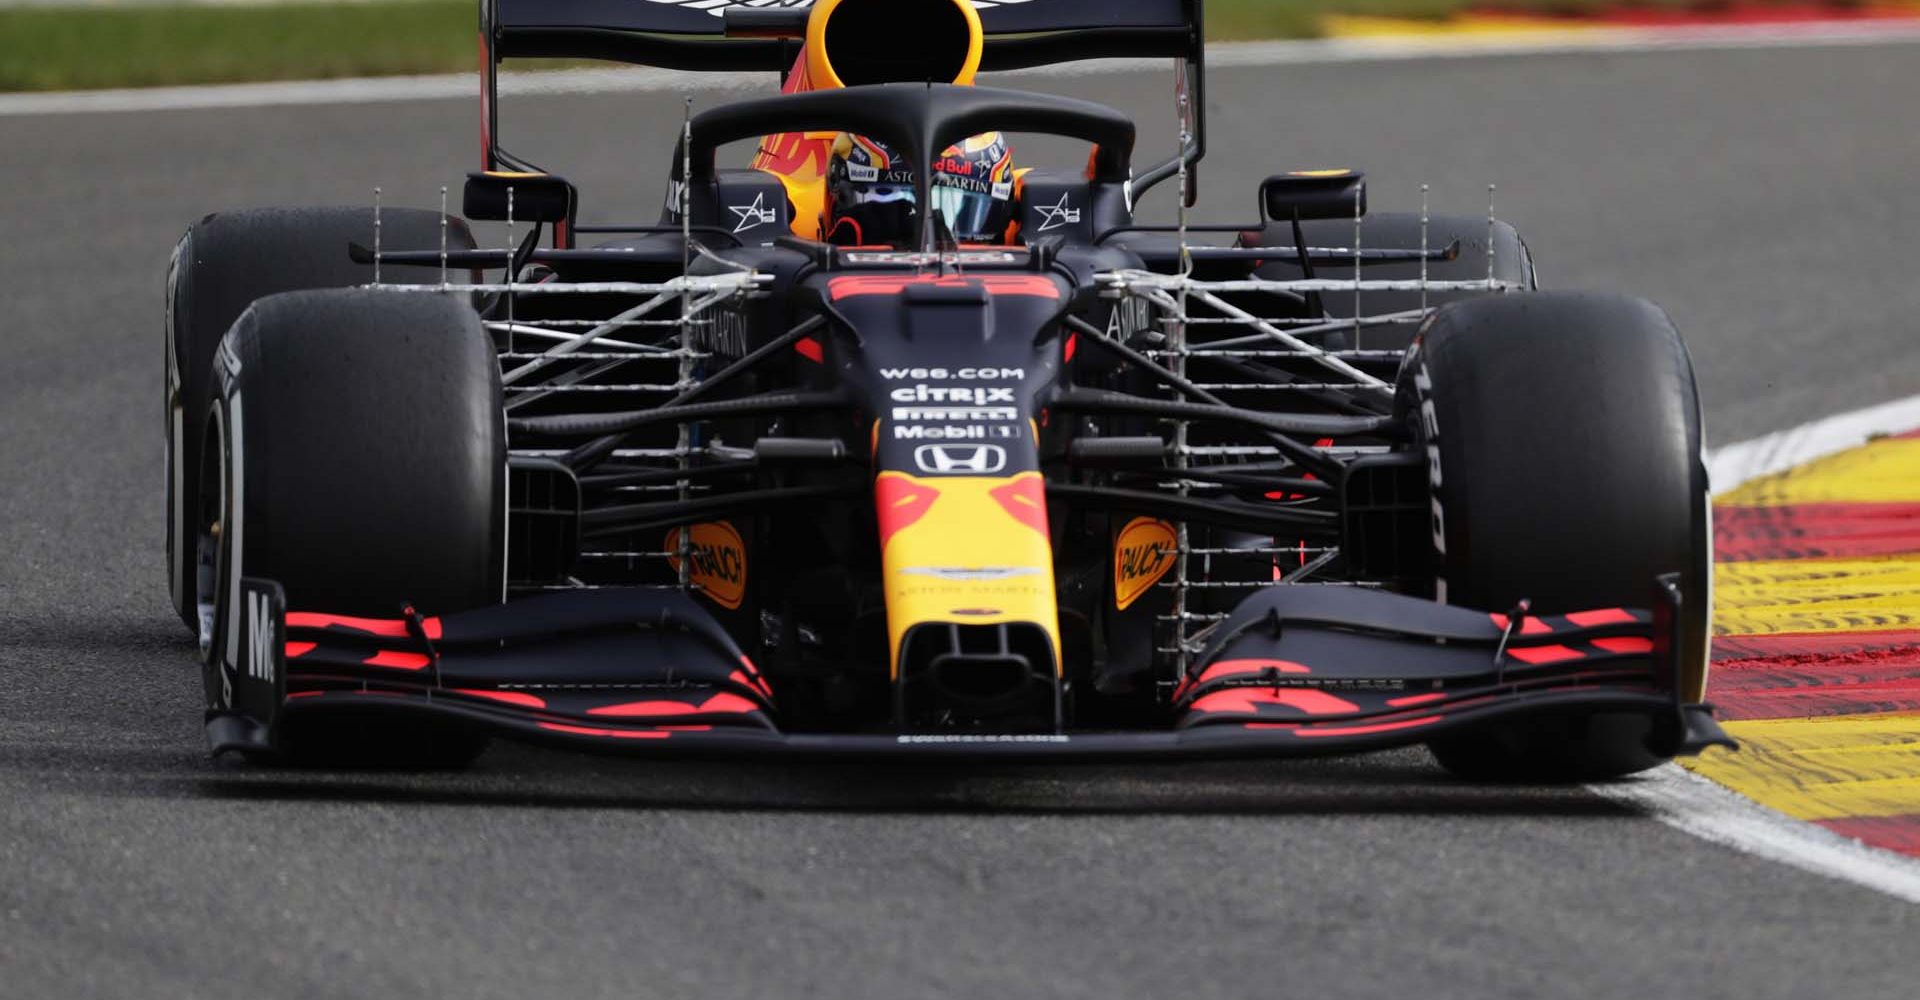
(870, 199)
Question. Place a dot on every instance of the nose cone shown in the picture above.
(953, 369)
(972, 619)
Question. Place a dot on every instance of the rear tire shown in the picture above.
(357, 451)
(221, 266)
(1563, 440)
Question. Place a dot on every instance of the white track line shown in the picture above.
(1222, 56)
(1737, 464)
(1692, 804)
(1547, 41)
(1684, 800)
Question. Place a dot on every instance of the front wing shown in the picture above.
(1294, 672)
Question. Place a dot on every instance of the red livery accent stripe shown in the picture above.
(295, 650)
(1415, 699)
(810, 349)
(751, 683)
(619, 734)
(1537, 655)
(1379, 727)
(391, 628)
(1528, 626)
(1249, 700)
(1625, 644)
(1026, 499)
(1604, 616)
(852, 286)
(900, 502)
(720, 703)
(396, 660)
(506, 697)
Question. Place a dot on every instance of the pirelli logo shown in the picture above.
(955, 414)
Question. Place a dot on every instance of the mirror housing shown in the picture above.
(1314, 194)
(763, 22)
(535, 198)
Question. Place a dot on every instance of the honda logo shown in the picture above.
(960, 459)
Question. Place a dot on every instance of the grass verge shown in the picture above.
(80, 48)
(90, 47)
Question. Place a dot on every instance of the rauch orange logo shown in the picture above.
(1141, 556)
(719, 558)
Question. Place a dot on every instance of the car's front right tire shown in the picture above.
(222, 265)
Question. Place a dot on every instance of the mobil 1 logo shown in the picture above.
(968, 432)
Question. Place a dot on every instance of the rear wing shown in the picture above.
(692, 35)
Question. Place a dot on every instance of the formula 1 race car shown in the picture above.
(1327, 482)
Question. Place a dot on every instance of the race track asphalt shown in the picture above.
(1767, 198)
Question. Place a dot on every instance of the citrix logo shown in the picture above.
(923, 393)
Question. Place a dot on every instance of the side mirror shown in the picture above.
(1314, 194)
(535, 197)
(756, 22)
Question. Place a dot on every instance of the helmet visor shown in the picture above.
(969, 214)
(879, 194)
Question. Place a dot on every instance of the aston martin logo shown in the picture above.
(969, 574)
(718, 8)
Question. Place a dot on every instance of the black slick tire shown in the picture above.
(221, 266)
(355, 453)
(1562, 435)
